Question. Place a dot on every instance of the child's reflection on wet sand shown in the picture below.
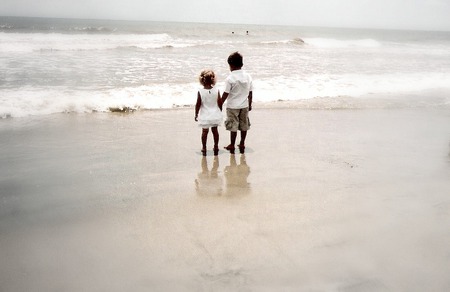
(209, 182)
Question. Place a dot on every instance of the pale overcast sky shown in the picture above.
(401, 14)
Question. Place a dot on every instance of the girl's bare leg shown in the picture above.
(216, 140)
(204, 139)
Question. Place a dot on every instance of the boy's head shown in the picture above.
(235, 60)
(207, 77)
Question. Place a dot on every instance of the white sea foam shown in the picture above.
(327, 42)
(33, 42)
(34, 101)
(29, 101)
(295, 41)
(322, 85)
(335, 43)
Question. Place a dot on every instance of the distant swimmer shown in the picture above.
(247, 32)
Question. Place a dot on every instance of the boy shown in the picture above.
(238, 91)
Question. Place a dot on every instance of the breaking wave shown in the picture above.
(335, 43)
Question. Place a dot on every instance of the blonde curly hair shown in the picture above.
(207, 77)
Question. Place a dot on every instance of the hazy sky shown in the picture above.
(402, 14)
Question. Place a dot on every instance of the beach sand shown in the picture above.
(322, 200)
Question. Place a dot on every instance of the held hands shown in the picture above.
(196, 118)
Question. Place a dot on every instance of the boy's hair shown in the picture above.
(207, 77)
(236, 60)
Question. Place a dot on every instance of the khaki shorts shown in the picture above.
(237, 119)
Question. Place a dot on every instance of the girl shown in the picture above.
(209, 105)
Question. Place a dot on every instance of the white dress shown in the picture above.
(210, 114)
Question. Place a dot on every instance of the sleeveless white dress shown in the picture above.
(210, 114)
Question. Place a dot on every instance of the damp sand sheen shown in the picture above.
(356, 200)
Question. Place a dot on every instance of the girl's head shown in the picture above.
(207, 78)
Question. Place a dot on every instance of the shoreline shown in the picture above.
(431, 99)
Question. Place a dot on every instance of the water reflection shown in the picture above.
(209, 182)
(236, 176)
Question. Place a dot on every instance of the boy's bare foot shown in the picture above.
(230, 148)
(241, 148)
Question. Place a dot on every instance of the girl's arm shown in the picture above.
(219, 100)
(197, 106)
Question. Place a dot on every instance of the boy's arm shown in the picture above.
(197, 106)
(226, 90)
(250, 100)
(224, 97)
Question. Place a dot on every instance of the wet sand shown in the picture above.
(322, 200)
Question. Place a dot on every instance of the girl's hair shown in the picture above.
(207, 77)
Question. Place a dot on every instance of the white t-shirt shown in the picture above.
(238, 85)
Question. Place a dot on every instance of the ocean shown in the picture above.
(69, 65)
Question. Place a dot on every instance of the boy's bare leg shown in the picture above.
(242, 143)
(233, 136)
(243, 136)
(230, 147)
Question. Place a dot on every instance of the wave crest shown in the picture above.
(335, 43)
(343, 91)
(92, 29)
(35, 42)
(294, 41)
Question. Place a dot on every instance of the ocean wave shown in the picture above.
(35, 42)
(92, 29)
(52, 29)
(326, 43)
(294, 41)
(315, 91)
(335, 43)
(41, 25)
(6, 27)
(32, 42)
(44, 101)
(355, 85)
(38, 42)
